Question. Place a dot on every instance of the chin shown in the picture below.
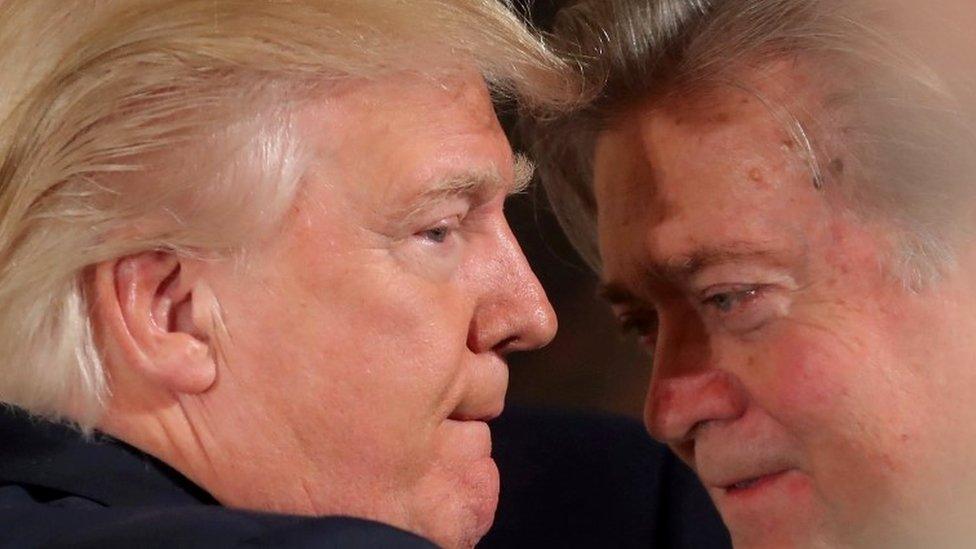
(483, 510)
(466, 515)
(800, 531)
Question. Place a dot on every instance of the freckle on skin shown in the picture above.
(836, 166)
(720, 118)
(756, 175)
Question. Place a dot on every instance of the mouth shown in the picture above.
(752, 485)
(483, 413)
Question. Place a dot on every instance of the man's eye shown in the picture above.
(440, 233)
(644, 324)
(437, 234)
(744, 308)
(727, 302)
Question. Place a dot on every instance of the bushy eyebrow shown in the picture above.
(615, 293)
(472, 184)
(685, 266)
(524, 171)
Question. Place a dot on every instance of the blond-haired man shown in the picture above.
(263, 243)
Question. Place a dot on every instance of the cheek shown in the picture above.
(355, 337)
(839, 403)
(800, 379)
(363, 367)
(399, 339)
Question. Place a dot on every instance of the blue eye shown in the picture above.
(726, 302)
(442, 232)
(438, 234)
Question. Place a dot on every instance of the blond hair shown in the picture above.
(906, 130)
(97, 98)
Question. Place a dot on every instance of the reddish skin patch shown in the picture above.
(756, 176)
(720, 118)
(836, 167)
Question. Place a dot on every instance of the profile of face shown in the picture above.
(819, 400)
(367, 337)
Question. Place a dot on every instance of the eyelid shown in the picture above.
(739, 300)
(637, 320)
(451, 222)
(720, 289)
(435, 211)
(718, 276)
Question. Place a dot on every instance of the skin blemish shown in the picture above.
(836, 167)
(756, 175)
(720, 118)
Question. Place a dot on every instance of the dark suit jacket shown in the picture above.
(567, 482)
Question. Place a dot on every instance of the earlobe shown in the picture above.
(153, 317)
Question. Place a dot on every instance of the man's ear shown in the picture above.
(156, 321)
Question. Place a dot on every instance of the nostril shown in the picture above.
(507, 345)
(685, 451)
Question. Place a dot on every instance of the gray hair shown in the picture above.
(907, 130)
(98, 98)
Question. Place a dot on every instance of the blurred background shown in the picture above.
(590, 365)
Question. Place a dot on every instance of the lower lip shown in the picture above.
(471, 438)
(753, 487)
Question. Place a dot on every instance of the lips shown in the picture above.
(751, 483)
(485, 412)
(742, 485)
(483, 395)
(739, 472)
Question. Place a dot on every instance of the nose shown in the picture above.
(512, 312)
(689, 388)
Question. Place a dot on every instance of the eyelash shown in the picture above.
(440, 233)
(644, 324)
(737, 297)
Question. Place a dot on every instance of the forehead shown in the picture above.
(723, 169)
(391, 134)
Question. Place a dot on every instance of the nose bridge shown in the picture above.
(513, 312)
(689, 385)
(683, 343)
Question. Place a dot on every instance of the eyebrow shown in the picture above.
(685, 266)
(472, 184)
(524, 172)
(615, 293)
